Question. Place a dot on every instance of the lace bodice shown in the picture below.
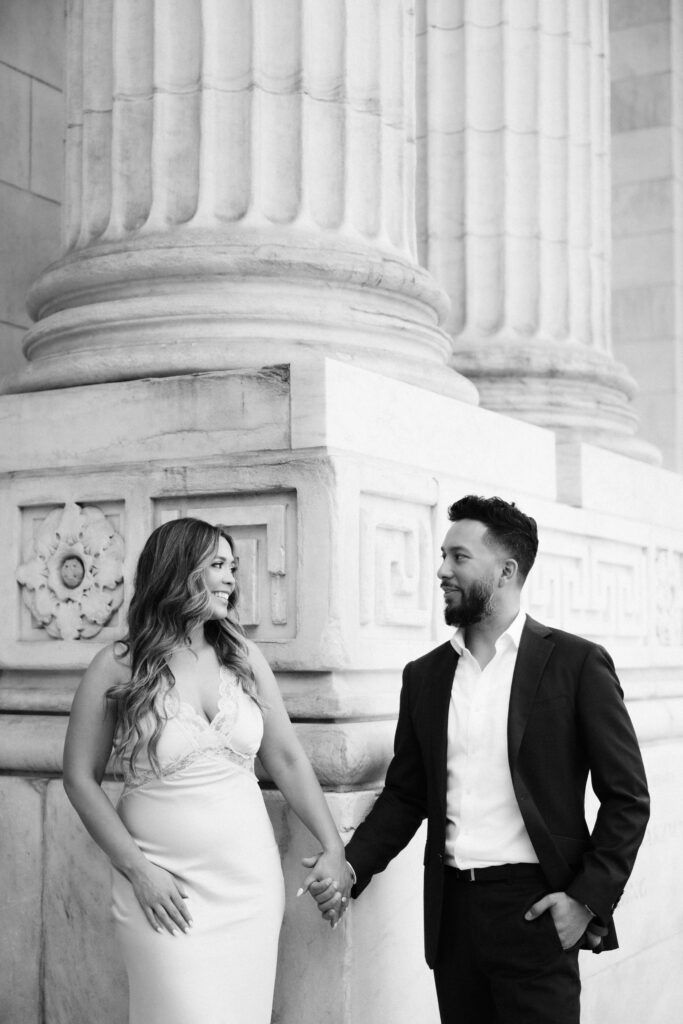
(234, 734)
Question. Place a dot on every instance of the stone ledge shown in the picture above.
(343, 755)
(111, 424)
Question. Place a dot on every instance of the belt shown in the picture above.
(496, 873)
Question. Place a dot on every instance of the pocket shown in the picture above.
(543, 927)
(547, 919)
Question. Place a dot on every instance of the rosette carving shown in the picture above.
(72, 577)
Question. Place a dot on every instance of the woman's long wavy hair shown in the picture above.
(170, 600)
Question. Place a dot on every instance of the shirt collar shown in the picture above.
(514, 632)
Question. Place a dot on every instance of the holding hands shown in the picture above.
(329, 883)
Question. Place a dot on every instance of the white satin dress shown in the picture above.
(204, 820)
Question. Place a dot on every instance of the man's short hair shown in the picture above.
(506, 524)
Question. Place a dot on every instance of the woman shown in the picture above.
(186, 702)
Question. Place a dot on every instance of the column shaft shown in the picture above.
(516, 227)
(240, 190)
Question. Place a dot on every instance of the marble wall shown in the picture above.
(647, 204)
(31, 158)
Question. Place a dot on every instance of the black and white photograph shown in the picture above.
(341, 485)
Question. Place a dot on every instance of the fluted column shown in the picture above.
(515, 163)
(240, 190)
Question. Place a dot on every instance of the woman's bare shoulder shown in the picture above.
(255, 655)
(110, 665)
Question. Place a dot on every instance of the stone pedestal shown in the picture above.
(515, 220)
(335, 482)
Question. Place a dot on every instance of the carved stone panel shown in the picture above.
(396, 565)
(592, 586)
(263, 527)
(668, 597)
(71, 576)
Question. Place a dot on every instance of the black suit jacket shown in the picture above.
(566, 719)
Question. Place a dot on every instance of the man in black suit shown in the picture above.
(498, 730)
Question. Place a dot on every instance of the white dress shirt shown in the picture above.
(484, 825)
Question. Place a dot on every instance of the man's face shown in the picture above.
(468, 573)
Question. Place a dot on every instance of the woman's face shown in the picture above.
(219, 577)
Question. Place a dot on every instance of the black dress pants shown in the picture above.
(493, 967)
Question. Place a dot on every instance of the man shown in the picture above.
(498, 730)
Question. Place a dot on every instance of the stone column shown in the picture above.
(514, 143)
(240, 191)
(646, 42)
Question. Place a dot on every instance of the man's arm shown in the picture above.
(618, 780)
(402, 804)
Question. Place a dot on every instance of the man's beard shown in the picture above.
(475, 604)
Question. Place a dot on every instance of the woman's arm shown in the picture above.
(87, 749)
(284, 759)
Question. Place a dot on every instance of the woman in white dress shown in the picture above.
(186, 702)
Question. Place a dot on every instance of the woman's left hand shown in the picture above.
(329, 883)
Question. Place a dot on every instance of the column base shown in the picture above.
(193, 302)
(579, 393)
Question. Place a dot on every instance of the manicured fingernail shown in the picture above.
(300, 892)
(343, 899)
(160, 930)
(527, 917)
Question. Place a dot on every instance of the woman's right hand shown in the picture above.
(162, 898)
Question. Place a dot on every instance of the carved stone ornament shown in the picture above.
(72, 579)
(668, 597)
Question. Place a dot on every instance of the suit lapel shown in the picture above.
(535, 647)
(442, 682)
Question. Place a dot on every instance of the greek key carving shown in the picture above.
(263, 534)
(594, 587)
(396, 563)
(668, 597)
